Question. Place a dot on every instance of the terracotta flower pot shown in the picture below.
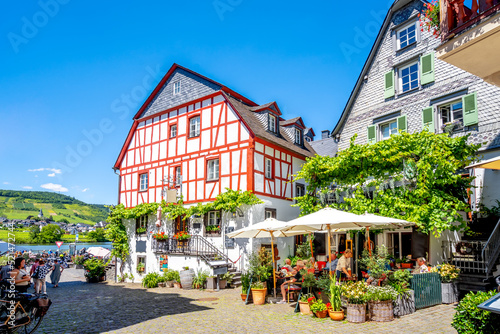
(304, 308)
(244, 297)
(259, 296)
(321, 314)
(336, 315)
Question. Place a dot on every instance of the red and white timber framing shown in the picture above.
(223, 136)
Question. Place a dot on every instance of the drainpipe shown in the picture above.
(118, 202)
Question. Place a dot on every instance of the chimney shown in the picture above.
(325, 134)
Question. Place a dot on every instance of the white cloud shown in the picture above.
(54, 187)
(27, 187)
(52, 175)
(84, 190)
(6, 183)
(53, 170)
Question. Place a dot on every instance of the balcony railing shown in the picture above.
(458, 15)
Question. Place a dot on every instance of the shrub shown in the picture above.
(470, 319)
(94, 267)
(151, 280)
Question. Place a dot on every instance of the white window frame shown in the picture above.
(178, 175)
(268, 168)
(298, 136)
(272, 123)
(143, 181)
(400, 77)
(142, 222)
(388, 122)
(177, 88)
(402, 29)
(212, 218)
(213, 169)
(173, 130)
(448, 103)
(194, 126)
(270, 213)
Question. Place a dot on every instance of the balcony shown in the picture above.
(470, 35)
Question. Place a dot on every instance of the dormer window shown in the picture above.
(298, 136)
(272, 123)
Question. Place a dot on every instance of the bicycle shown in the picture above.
(22, 312)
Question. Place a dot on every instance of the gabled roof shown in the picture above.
(255, 126)
(271, 105)
(397, 5)
(295, 120)
(309, 130)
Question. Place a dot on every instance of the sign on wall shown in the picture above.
(229, 242)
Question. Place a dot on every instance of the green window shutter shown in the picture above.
(427, 68)
(470, 109)
(428, 119)
(402, 125)
(372, 134)
(389, 84)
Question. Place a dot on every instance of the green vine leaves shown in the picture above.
(416, 177)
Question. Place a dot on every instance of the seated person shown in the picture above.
(313, 264)
(331, 264)
(296, 278)
(288, 265)
(421, 267)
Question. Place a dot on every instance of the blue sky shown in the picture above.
(66, 65)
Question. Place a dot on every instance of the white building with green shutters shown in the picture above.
(403, 86)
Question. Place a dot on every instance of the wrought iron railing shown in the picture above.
(194, 246)
(466, 255)
(491, 251)
(458, 15)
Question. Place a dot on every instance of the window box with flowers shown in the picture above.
(160, 236)
(213, 231)
(182, 238)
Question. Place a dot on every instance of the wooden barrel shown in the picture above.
(187, 278)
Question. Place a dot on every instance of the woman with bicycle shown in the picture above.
(20, 275)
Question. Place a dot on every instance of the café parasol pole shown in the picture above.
(311, 244)
(274, 264)
(329, 251)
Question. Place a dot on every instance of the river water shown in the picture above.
(64, 246)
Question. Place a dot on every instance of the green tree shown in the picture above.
(98, 235)
(49, 234)
(415, 177)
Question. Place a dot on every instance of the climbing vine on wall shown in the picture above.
(409, 176)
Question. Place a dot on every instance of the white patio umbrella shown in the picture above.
(269, 228)
(330, 219)
(99, 252)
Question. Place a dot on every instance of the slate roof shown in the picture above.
(289, 121)
(251, 120)
(325, 147)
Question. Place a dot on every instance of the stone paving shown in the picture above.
(79, 307)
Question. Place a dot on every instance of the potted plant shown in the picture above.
(151, 280)
(355, 296)
(200, 279)
(449, 274)
(245, 285)
(261, 270)
(181, 238)
(304, 302)
(319, 308)
(177, 279)
(259, 292)
(405, 302)
(227, 278)
(140, 230)
(141, 267)
(160, 236)
(95, 270)
(380, 302)
(169, 278)
(335, 311)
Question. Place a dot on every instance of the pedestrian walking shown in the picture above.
(40, 273)
(55, 276)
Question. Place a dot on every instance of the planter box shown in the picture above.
(405, 305)
(406, 265)
(222, 284)
(356, 313)
(211, 283)
(449, 293)
(381, 311)
(304, 308)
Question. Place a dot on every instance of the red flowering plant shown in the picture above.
(429, 18)
(182, 235)
(160, 236)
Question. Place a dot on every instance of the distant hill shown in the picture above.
(21, 204)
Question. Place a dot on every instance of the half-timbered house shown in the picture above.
(198, 137)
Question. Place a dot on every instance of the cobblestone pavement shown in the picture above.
(79, 307)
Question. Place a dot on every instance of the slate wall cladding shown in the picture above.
(370, 103)
(192, 88)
